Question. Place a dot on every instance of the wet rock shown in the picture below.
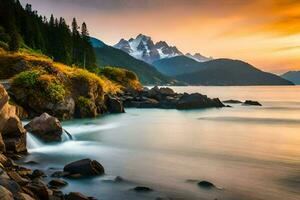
(13, 127)
(116, 179)
(40, 189)
(37, 173)
(232, 101)
(10, 185)
(23, 196)
(17, 178)
(60, 174)
(15, 143)
(46, 128)
(206, 185)
(83, 168)
(142, 189)
(251, 103)
(58, 183)
(113, 104)
(5, 194)
(166, 91)
(76, 196)
(196, 100)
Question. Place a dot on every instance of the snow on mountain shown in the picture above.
(143, 48)
(198, 57)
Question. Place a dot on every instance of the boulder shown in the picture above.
(40, 189)
(5, 194)
(196, 100)
(166, 91)
(113, 104)
(10, 185)
(13, 135)
(58, 183)
(251, 103)
(76, 196)
(84, 168)
(46, 128)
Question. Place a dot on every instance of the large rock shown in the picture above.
(76, 196)
(196, 100)
(13, 135)
(83, 168)
(5, 194)
(46, 128)
(113, 104)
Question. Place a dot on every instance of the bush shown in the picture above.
(121, 76)
(26, 79)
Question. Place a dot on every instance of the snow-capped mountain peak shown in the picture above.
(143, 48)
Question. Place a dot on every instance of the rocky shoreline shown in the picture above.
(20, 183)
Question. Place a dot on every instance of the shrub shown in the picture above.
(26, 79)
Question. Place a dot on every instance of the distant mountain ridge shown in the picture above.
(177, 65)
(228, 72)
(143, 48)
(293, 76)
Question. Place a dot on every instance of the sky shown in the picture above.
(265, 33)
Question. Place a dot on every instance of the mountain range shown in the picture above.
(293, 76)
(110, 56)
(143, 48)
(161, 64)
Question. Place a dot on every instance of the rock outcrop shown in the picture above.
(251, 103)
(84, 168)
(114, 104)
(46, 128)
(13, 135)
(166, 98)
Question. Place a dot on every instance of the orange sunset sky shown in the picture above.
(265, 33)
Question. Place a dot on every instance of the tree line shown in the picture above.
(53, 37)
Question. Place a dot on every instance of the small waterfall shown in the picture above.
(33, 142)
(66, 136)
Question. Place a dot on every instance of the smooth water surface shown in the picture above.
(248, 152)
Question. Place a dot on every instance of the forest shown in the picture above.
(25, 28)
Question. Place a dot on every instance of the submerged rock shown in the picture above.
(251, 103)
(46, 128)
(83, 168)
(142, 189)
(206, 185)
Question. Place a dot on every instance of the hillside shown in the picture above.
(293, 76)
(38, 85)
(177, 65)
(231, 72)
(109, 56)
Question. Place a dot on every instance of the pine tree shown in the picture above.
(14, 42)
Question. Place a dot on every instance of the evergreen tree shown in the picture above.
(24, 27)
